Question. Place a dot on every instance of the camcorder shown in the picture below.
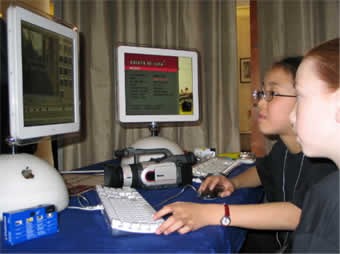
(162, 172)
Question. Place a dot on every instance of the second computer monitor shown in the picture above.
(157, 85)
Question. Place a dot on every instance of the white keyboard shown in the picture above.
(214, 166)
(127, 210)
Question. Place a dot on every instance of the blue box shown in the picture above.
(25, 224)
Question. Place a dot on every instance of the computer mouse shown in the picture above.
(211, 194)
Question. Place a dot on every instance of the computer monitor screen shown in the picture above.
(43, 75)
(157, 85)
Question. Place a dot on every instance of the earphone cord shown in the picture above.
(284, 192)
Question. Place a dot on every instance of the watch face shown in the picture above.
(225, 221)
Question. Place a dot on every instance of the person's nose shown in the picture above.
(261, 103)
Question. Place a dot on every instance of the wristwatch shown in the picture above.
(225, 220)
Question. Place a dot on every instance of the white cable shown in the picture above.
(88, 208)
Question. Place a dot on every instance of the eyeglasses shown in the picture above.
(268, 95)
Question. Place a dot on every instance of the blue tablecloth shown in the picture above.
(87, 231)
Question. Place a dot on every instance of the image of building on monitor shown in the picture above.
(47, 76)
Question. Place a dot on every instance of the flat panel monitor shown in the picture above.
(157, 85)
(43, 75)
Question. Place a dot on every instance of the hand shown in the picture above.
(184, 217)
(218, 181)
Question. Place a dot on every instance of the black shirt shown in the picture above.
(318, 230)
(286, 177)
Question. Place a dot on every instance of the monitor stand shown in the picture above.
(153, 142)
(28, 181)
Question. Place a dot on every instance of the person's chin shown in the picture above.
(265, 129)
(307, 150)
(267, 132)
(305, 147)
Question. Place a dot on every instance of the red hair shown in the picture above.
(326, 61)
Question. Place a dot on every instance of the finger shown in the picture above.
(184, 230)
(225, 193)
(164, 211)
(176, 226)
(213, 183)
(204, 185)
(209, 183)
(166, 226)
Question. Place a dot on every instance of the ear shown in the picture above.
(337, 105)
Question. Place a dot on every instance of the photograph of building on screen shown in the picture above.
(47, 68)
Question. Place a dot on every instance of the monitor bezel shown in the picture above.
(123, 117)
(18, 131)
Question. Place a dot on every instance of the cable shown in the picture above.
(88, 208)
(84, 204)
(176, 195)
(81, 199)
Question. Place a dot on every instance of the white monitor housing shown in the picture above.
(157, 85)
(43, 101)
(43, 75)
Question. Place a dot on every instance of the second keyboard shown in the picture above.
(214, 166)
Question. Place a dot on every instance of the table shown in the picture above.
(87, 232)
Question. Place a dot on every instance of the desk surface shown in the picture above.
(87, 231)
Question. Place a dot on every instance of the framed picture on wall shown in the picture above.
(245, 70)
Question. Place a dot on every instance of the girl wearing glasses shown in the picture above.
(285, 173)
(317, 123)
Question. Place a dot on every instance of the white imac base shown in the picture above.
(26, 181)
(152, 142)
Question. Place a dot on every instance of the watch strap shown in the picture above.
(225, 220)
(226, 210)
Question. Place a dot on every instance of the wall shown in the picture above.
(42, 5)
(245, 100)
